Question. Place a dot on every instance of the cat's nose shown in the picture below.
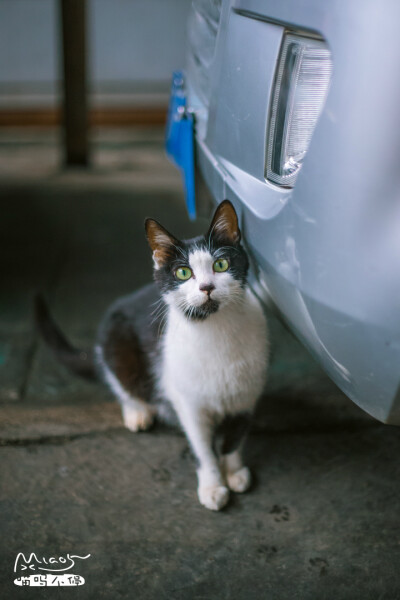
(207, 288)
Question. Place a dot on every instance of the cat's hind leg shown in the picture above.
(229, 439)
(238, 476)
(137, 414)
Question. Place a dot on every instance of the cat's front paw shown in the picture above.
(137, 417)
(213, 497)
(239, 481)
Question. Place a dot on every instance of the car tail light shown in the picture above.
(301, 86)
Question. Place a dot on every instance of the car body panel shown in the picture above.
(328, 250)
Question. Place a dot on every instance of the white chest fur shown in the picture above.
(218, 364)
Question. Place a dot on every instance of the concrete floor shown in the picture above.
(322, 519)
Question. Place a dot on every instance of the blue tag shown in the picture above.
(179, 142)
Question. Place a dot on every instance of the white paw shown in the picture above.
(137, 418)
(240, 480)
(213, 497)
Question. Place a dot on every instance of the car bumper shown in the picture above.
(327, 252)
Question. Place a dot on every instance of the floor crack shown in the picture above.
(57, 440)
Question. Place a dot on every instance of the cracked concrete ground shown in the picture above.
(322, 519)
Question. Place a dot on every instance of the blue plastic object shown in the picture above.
(179, 142)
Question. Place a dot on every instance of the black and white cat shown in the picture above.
(193, 347)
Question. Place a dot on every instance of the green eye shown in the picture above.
(221, 265)
(183, 273)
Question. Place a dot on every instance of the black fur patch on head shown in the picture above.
(200, 313)
(165, 276)
(234, 253)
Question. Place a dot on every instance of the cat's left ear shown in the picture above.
(161, 242)
(224, 224)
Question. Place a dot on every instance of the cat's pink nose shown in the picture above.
(207, 288)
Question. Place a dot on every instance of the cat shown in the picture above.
(190, 348)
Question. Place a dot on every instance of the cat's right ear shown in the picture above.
(162, 243)
(224, 224)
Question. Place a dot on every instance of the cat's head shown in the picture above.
(205, 274)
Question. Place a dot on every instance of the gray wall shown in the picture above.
(134, 45)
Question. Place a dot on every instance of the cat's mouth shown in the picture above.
(199, 313)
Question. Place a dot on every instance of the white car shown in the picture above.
(295, 107)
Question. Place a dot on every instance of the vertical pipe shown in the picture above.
(75, 102)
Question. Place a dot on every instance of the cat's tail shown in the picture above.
(76, 361)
